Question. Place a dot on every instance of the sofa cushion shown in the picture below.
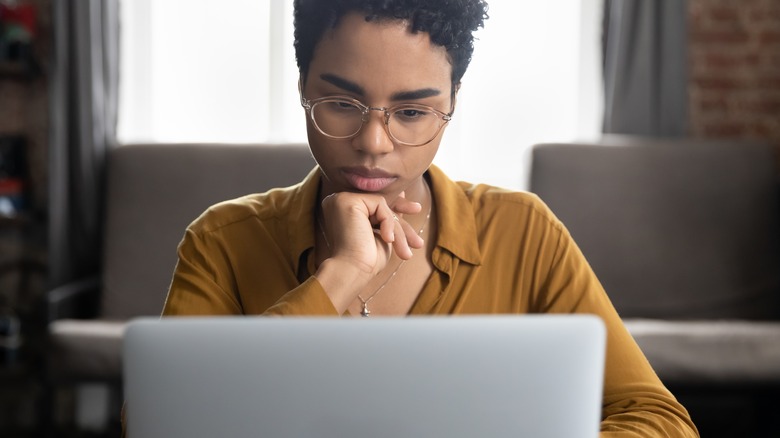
(674, 229)
(85, 349)
(155, 191)
(710, 352)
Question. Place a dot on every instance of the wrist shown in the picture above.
(342, 281)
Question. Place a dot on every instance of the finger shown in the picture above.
(407, 239)
(385, 247)
(404, 206)
(412, 236)
(401, 246)
(388, 221)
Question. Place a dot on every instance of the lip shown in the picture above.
(368, 180)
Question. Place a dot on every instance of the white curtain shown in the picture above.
(195, 70)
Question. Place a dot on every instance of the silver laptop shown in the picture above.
(487, 376)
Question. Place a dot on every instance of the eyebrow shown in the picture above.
(343, 83)
(352, 87)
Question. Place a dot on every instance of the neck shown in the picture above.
(419, 191)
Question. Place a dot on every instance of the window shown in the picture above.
(202, 71)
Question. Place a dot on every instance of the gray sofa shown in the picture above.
(685, 237)
(153, 192)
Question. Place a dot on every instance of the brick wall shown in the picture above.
(735, 69)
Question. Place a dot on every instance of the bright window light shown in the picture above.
(204, 71)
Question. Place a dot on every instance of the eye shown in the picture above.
(340, 106)
(410, 114)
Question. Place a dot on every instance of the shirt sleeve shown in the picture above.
(307, 299)
(635, 401)
(205, 283)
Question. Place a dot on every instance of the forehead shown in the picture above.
(382, 54)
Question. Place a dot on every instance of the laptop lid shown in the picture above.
(488, 376)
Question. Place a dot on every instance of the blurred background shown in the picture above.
(80, 79)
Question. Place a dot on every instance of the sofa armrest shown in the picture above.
(710, 352)
(74, 300)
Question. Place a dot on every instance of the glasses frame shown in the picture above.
(309, 105)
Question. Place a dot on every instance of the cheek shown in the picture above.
(316, 143)
(419, 159)
(432, 148)
(324, 150)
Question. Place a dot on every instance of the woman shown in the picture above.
(376, 229)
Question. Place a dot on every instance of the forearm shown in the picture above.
(645, 412)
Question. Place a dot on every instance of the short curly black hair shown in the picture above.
(450, 24)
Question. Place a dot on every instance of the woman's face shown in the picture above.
(381, 64)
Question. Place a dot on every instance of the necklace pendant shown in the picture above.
(365, 312)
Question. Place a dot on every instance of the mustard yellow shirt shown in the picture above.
(497, 252)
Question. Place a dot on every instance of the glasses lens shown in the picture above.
(337, 118)
(414, 125)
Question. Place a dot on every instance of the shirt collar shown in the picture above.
(457, 227)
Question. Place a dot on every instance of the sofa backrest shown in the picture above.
(677, 229)
(154, 191)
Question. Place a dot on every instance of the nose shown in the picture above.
(373, 137)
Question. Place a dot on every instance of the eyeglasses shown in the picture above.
(343, 117)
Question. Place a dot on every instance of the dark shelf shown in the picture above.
(16, 70)
(18, 220)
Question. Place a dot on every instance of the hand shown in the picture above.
(364, 231)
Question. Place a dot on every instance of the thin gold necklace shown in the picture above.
(365, 312)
